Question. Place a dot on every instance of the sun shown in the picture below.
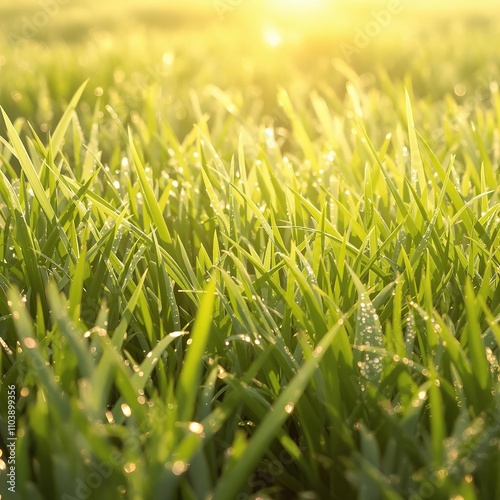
(272, 37)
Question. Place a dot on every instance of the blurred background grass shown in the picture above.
(157, 51)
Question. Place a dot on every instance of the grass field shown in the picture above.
(249, 252)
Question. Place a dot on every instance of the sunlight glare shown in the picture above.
(272, 37)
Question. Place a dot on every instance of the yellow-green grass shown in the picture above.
(231, 271)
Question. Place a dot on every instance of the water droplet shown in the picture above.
(179, 467)
(129, 467)
(30, 343)
(126, 410)
(196, 427)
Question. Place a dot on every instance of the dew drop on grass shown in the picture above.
(179, 467)
(178, 334)
(410, 332)
(317, 351)
(368, 335)
(196, 428)
(29, 343)
(126, 410)
(129, 467)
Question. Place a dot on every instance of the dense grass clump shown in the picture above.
(265, 284)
